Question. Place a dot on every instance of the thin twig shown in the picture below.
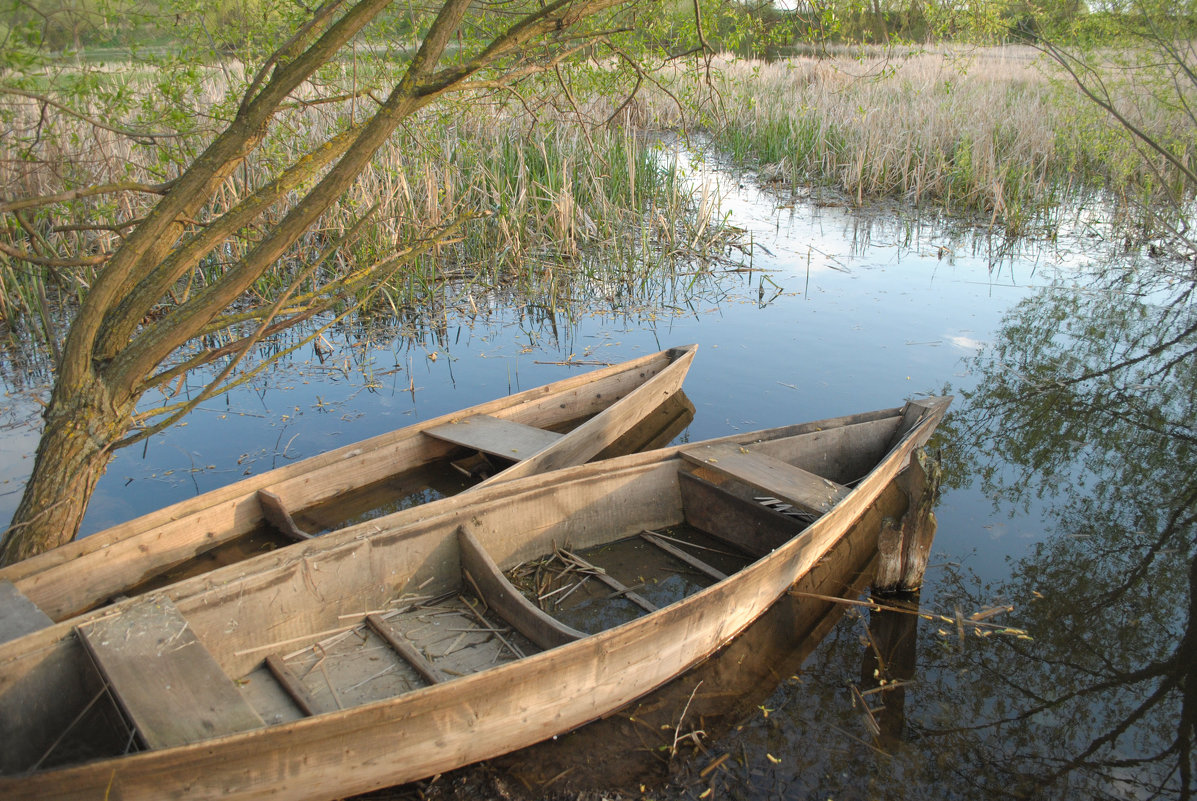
(678, 729)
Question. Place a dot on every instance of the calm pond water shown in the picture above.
(1072, 511)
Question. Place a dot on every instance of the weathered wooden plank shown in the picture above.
(508, 602)
(678, 553)
(162, 676)
(913, 413)
(622, 409)
(656, 430)
(904, 543)
(438, 728)
(736, 681)
(276, 514)
(493, 435)
(405, 649)
(841, 453)
(18, 614)
(789, 483)
(294, 686)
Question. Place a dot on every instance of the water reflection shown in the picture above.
(1088, 400)
(889, 665)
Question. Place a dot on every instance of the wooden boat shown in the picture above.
(522, 433)
(350, 663)
(621, 753)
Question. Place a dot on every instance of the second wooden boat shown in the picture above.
(564, 423)
(501, 619)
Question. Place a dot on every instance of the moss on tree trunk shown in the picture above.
(73, 452)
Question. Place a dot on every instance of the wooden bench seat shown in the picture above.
(505, 438)
(163, 677)
(791, 484)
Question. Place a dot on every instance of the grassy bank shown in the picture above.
(977, 130)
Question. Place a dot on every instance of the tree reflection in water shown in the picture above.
(1087, 400)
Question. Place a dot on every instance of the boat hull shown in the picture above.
(447, 725)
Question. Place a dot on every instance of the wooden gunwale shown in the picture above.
(480, 716)
(79, 575)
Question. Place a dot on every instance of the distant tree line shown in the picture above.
(751, 29)
(992, 21)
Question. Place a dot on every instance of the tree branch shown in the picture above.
(411, 94)
(380, 273)
(1106, 102)
(264, 316)
(552, 17)
(146, 246)
(43, 261)
(86, 191)
(125, 317)
(140, 136)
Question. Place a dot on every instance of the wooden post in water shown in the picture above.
(904, 543)
(888, 665)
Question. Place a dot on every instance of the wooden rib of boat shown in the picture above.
(522, 434)
(350, 663)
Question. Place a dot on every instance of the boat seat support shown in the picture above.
(406, 650)
(730, 516)
(294, 686)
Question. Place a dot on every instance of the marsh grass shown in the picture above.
(560, 207)
(976, 130)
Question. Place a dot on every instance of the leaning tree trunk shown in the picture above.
(74, 450)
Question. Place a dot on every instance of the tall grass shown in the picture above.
(987, 130)
(559, 203)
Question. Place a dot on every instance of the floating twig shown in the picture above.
(572, 362)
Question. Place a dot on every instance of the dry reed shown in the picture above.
(976, 129)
